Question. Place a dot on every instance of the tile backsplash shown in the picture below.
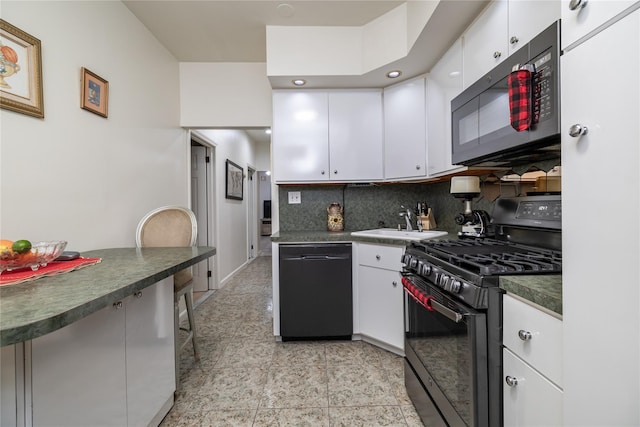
(378, 205)
(367, 207)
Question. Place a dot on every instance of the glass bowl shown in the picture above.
(40, 255)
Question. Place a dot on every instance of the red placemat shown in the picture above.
(52, 268)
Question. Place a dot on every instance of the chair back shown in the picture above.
(167, 226)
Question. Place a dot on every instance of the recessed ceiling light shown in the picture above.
(267, 131)
(394, 74)
(299, 82)
(454, 74)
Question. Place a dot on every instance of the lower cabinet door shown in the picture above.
(78, 373)
(530, 399)
(150, 352)
(381, 305)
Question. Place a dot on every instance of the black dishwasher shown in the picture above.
(316, 300)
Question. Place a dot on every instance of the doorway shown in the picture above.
(202, 205)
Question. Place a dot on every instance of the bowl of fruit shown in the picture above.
(23, 254)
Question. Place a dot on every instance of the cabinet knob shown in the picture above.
(117, 305)
(321, 172)
(138, 294)
(378, 257)
(395, 284)
(514, 40)
(578, 130)
(577, 4)
(497, 54)
(335, 171)
(511, 381)
(524, 335)
(418, 167)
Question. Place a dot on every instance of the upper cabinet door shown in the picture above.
(405, 138)
(485, 42)
(444, 83)
(300, 137)
(587, 16)
(355, 135)
(528, 18)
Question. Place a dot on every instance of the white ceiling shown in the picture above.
(235, 30)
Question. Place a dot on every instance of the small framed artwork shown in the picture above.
(95, 93)
(20, 71)
(234, 181)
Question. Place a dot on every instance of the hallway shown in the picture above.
(246, 378)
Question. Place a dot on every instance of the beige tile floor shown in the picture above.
(246, 378)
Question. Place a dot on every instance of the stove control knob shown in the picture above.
(455, 286)
(426, 269)
(444, 281)
(413, 262)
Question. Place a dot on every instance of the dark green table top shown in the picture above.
(32, 309)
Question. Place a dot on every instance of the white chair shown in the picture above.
(174, 226)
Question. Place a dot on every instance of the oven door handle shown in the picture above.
(446, 311)
(429, 302)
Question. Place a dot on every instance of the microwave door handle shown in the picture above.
(452, 315)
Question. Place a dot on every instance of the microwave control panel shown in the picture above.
(543, 88)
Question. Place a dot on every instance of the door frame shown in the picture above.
(212, 217)
(252, 213)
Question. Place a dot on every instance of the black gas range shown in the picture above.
(454, 309)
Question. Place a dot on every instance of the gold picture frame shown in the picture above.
(21, 66)
(95, 93)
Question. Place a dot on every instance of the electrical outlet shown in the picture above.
(294, 198)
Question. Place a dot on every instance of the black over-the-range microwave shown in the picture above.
(483, 115)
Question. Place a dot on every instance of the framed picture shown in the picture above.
(20, 71)
(95, 93)
(234, 181)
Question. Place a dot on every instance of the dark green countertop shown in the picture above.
(543, 290)
(32, 309)
(332, 236)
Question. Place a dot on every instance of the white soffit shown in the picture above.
(346, 50)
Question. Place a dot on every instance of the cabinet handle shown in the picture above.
(511, 381)
(578, 130)
(138, 294)
(117, 305)
(577, 4)
(514, 40)
(497, 54)
(395, 284)
(378, 257)
(524, 335)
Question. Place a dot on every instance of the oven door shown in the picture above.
(446, 355)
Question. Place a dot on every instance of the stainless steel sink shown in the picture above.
(393, 234)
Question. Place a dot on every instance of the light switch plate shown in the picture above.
(294, 198)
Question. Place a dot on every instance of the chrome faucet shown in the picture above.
(406, 213)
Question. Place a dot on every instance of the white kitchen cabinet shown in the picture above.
(528, 18)
(405, 133)
(532, 368)
(588, 16)
(444, 83)
(531, 400)
(108, 369)
(300, 148)
(355, 135)
(601, 91)
(380, 295)
(485, 42)
(503, 28)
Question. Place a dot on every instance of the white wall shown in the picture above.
(224, 95)
(231, 218)
(77, 176)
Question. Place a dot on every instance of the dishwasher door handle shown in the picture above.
(316, 258)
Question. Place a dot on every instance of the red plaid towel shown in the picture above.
(54, 267)
(520, 100)
(414, 292)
